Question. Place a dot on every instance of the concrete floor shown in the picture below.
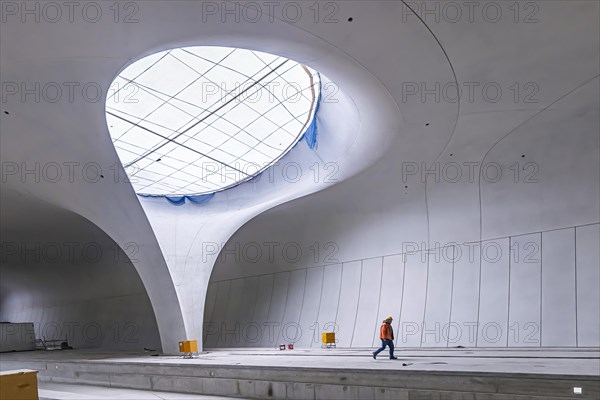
(490, 374)
(559, 361)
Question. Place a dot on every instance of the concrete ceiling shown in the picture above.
(375, 60)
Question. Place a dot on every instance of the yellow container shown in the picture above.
(19, 385)
(328, 337)
(188, 346)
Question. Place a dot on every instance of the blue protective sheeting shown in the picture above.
(180, 200)
(176, 200)
(311, 132)
(201, 199)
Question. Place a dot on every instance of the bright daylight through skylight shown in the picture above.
(197, 120)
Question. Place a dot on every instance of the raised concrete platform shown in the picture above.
(332, 374)
(68, 391)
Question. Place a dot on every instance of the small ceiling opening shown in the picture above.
(198, 120)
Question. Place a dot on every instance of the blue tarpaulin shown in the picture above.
(311, 132)
(180, 200)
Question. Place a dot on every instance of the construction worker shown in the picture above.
(386, 334)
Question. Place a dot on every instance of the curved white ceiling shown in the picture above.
(377, 200)
(197, 120)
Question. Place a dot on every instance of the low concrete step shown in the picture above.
(65, 391)
(314, 383)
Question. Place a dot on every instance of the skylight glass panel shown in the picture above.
(131, 148)
(125, 155)
(248, 137)
(224, 79)
(265, 58)
(198, 64)
(199, 146)
(169, 116)
(169, 76)
(117, 126)
(210, 134)
(241, 62)
(213, 53)
(158, 168)
(197, 120)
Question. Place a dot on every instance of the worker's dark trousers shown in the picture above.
(385, 342)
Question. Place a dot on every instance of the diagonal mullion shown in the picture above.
(204, 118)
(140, 74)
(142, 187)
(196, 117)
(241, 73)
(259, 116)
(251, 135)
(266, 112)
(311, 86)
(170, 140)
(170, 129)
(280, 76)
(229, 92)
(240, 157)
(263, 115)
(169, 96)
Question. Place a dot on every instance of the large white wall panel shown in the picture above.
(493, 299)
(277, 304)
(108, 323)
(261, 307)
(209, 308)
(439, 297)
(231, 334)
(249, 331)
(94, 299)
(527, 297)
(347, 306)
(368, 303)
(213, 339)
(310, 308)
(546, 180)
(330, 296)
(525, 269)
(588, 285)
(390, 298)
(465, 296)
(290, 331)
(211, 300)
(559, 313)
(413, 301)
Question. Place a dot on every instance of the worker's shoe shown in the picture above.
(393, 358)
(374, 356)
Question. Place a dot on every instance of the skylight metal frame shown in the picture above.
(204, 116)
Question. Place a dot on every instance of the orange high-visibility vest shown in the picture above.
(386, 332)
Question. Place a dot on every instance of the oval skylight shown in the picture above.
(198, 120)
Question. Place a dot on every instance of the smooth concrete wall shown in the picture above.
(517, 230)
(76, 284)
(377, 125)
(519, 291)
